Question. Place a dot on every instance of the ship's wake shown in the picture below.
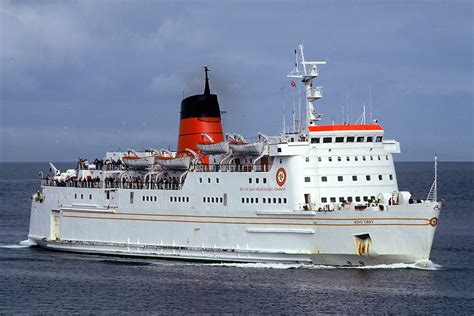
(420, 265)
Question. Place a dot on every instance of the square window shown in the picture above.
(208, 180)
(390, 177)
(327, 140)
(179, 199)
(380, 177)
(338, 158)
(250, 180)
(243, 200)
(279, 200)
(264, 200)
(360, 139)
(349, 199)
(363, 158)
(315, 140)
(187, 199)
(212, 200)
(339, 139)
(379, 157)
(256, 200)
(251, 200)
(324, 179)
(340, 178)
(350, 139)
(367, 177)
(319, 159)
(307, 179)
(171, 199)
(284, 200)
(274, 200)
(257, 180)
(307, 159)
(341, 200)
(247, 200)
(204, 200)
(348, 158)
(324, 200)
(366, 198)
(264, 180)
(279, 149)
(333, 199)
(329, 158)
(354, 178)
(371, 157)
(356, 158)
(369, 139)
(357, 198)
(217, 180)
(200, 180)
(208, 200)
(378, 139)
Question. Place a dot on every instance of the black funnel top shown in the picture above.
(201, 105)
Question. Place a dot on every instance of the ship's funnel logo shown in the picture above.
(281, 176)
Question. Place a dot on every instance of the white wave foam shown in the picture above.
(17, 246)
(421, 265)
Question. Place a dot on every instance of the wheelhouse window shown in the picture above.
(369, 139)
(339, 139)
(378, 139)
(327, 140)
(315, 140)
(350, 139)
(360, 139)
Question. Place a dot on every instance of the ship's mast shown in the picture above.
(307, 71)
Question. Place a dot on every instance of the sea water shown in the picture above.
(34, 280)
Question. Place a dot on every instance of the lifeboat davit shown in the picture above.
(174, 163)
(213, 148)
(244, 148)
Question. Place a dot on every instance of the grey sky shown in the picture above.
(78, 78)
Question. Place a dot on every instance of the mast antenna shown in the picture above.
(433, 194)
(307, 71)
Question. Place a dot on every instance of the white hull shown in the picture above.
(401, 234)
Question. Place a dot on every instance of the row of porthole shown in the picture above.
(179, 199)
(348, 158)
(265, 200)
(347, 199)
(208, 180)
(82, 196)
(207, 199)
(149, 198)
(257, 180)
(348, 139)
(354, 178)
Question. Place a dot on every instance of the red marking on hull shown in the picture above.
(353, 127)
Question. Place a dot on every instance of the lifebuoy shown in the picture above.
(433, 221)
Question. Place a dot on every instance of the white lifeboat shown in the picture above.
(213, 148)
(134, 160)
(174, 163)
(244, 148)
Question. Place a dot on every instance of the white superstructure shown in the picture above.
(324, 195)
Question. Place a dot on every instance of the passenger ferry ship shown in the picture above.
(327, 194)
